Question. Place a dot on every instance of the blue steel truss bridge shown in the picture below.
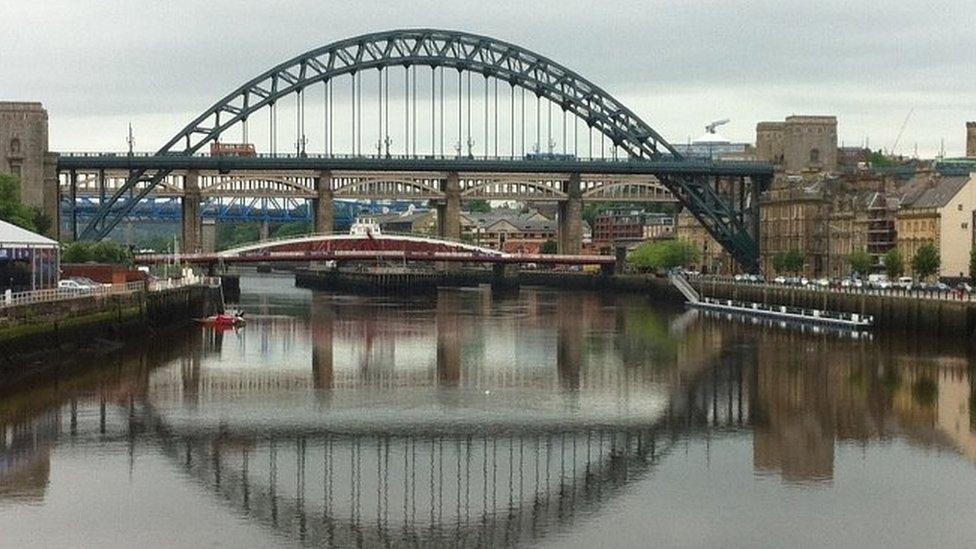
(421, 114)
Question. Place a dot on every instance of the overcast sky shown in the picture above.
(97, 65)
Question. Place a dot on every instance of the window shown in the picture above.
(959, 207)
(814, 155)
(965, 225)
(15, 145)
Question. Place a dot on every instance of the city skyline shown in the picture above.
(672, 64)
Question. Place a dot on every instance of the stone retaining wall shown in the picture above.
(891, 312)
(34, 334)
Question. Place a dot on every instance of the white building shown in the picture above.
(28, 261)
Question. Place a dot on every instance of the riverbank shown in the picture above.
(34, 337)
(891, 312)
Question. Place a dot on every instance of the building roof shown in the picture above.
(12, 236)
(929, 192)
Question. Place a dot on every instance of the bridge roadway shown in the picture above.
(371, 255)
(90, 161)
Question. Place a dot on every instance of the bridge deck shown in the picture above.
(370, 255)
(314, 163)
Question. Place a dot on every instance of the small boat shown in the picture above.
(223, 320)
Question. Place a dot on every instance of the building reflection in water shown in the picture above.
(518, 415)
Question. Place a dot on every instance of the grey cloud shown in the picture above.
(134, 58)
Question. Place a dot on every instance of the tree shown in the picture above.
(98, 252)
(894, 264)
(11, 208)
(664, 254)
(42, 221)
(549, 247)
(293, 228)
(926, 261)
(230, 235)
(789, 261)
(861, 262)
(972, 265)
(480, 206)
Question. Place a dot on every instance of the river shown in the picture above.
(541, 419)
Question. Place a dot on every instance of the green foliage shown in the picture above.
(11, 209)
(294, 228)
(664, 254)
(926, 261)
(549, 247)
(97, 252)
(894, 264)
(230, 235)
(42, 221)
(478, 206)
(877, 159)
(861, 262)
(972, 265)
(790, 261)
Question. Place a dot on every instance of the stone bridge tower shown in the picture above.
(971, 139)
(24, 152)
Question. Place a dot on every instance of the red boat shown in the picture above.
(223, 320)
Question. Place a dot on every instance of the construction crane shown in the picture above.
(711, 127)
(901, 130)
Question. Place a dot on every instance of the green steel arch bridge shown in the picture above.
(472, 118)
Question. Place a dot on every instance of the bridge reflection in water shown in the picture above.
(475, 420)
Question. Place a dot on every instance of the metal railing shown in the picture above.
(13, 299)
(951, 294)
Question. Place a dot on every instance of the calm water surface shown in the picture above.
(472, 419)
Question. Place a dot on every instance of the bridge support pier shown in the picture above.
(449, 215)
(208, 236)
(323, 212)
(504, 276)
(570, 235)
(192, 224)
(265, 229)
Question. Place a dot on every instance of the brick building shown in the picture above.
(627, 225)
(712, 258)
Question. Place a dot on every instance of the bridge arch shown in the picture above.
(230, 185)
(462, 51)
(692, 182)
(433, 48)
(356, 242)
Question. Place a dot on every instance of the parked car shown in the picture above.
(936, 287)
(905, 282)
(74, 285)
(822, 282)
(89, 282)
(780, 280)
(964, 287)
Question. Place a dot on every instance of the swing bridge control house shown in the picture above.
(28, 261)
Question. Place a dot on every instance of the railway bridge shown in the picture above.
(472, 118)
